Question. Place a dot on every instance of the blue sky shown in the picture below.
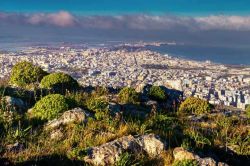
(113, 7)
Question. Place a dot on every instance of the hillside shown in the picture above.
(50, 119)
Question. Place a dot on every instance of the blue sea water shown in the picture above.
(224, 55)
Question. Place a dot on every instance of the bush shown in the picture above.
(157, 93)
(50, 107)
(128, 95)
(186, 162)
(58, 81)
(97, 104)
(195, 106)
(25, 73)
(248, 111)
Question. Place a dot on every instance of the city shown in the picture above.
(118, 67)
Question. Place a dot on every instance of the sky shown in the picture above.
(224, 23)
(111, 7)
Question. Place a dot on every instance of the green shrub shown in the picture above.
(186, 162)
(195, 105)
(50, 107)
(157, 93)
(248, 111)
(97, 104)
(58, 81)
(128, 96)
(100, 91)
(25, 73)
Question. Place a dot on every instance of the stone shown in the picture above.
(14, 102)
(182, 154)
(151, 144)
(114, 108)
(56, 134)
(16, 147)
(207, 161)
(109, 153)
(151, 103)
(222, 164)
(76, 115)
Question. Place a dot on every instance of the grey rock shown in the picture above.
(114, 108)
(76, 115)
(182, 154)
(151, 103)
(207, 162)
(16, 147)
(56, 134)
(109, 153)
(14, 102)
(151, 144)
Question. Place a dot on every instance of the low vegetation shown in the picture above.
(157, 93)
(25, 73)
(25, 140)
(58, 81)
(50, 107)
(128, 96)
(193, 105)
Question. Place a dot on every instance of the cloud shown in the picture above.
(62, 19)
(135, 22)
(224, 22)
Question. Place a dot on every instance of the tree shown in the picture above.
(193, 105)
(58, 82)
(157, 93)
(50, 107)
(128, 96)
(25, 73)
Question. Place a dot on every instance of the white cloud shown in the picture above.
(141, 22)
(62, 19)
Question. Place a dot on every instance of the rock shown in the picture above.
(151, 103)
(75, 115)
(198, 118)
(14, 102)
(16, 147)
(56, 134)
(222, 164)
(109, 153)
(151, 144)
(182, 154)
(207, 161)
(114, 108)
(135, 111)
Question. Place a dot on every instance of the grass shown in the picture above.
(176, 130)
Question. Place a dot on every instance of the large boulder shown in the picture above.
(109, 153)
(76, 115)
(151, 144)
(14, 102)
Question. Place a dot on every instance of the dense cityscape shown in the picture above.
(121, 66)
